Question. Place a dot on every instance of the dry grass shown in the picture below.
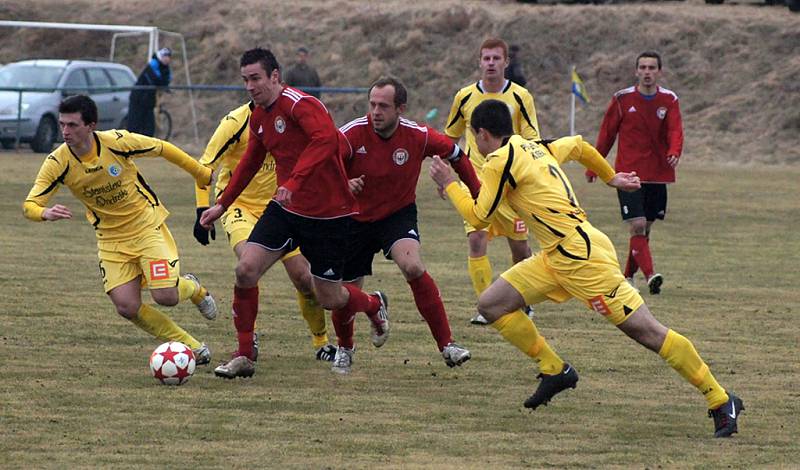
(76, 390)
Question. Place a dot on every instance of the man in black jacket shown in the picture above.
(141, 116)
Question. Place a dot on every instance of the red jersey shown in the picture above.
(300, 134)
(391, 166)
(649, 128)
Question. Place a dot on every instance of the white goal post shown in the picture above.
(153, 33)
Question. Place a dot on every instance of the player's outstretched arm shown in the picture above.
(625, 181)
(176, 156)
(460, 198)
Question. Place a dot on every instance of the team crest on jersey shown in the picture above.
(400, 156)
(661, 112)
(114, 170)
(280, 125)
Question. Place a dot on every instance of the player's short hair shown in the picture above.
(262, 56)
(649, 55)
(400, 92)
(80, 104)
(492, 43)
(494, 116)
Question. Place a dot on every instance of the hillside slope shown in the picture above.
(735, 67)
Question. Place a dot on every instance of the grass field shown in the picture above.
(76, 391)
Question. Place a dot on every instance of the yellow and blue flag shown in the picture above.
(578, 88)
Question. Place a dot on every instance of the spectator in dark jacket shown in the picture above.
(514, 70)
(141, 115)
(302, 75)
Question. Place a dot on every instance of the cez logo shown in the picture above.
(159, 270)
(114, 170)
(599, 305)
(519, 226)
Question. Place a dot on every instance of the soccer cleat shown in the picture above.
(207, 306)
(326, 353)
(529, 311)
(551, 385)
(202, 355)
(455, 355)
(343, 361)
(380, 330)
(726, 416)
(239, 366)
(478, 319)
(654, 283)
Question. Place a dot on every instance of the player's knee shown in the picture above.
(246, 274)
(166, 297)
(411, 270)
(638, 227)
(331, 299)
(301, 278)
(490, 310)
(128, 310)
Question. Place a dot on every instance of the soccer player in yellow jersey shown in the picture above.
(222, 153)
(576, 259)
(134, 244)
(493, 60)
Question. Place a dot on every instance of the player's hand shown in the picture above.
(673, 160)
(283, 196)
(356, 184)
(200, 232)
(441, 173)
(625, 181)
(209, 216)
(57, 212)
(591, 176)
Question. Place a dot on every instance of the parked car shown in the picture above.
(60, 78)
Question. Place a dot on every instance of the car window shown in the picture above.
(30, 76)
(98, 78)
(121, 77)
(76, 83)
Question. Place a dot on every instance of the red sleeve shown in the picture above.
(609, 128)
(675, 130)
(467, 174)
(323, 143)
(440, 144)
(248, 166)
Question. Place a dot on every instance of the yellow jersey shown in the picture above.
(528, 175)
(120, 204)
(520, 104)
(223, 152)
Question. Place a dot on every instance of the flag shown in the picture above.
(578, 88)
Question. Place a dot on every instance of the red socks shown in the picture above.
(430, 306)
(342, 319)
(360, 301)
(245, 310)
(640, 251)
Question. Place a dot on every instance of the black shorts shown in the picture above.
(371, 237)
(324, 242)
(649, 202)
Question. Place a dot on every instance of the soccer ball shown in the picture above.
(172, 363)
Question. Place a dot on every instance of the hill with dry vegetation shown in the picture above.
(735, 67)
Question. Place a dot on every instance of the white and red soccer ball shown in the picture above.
(172, 363)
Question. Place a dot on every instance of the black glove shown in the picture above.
(200, 233)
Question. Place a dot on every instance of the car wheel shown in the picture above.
(46, 135)
(7, 143)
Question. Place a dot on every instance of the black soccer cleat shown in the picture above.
(551, 385)
(726, 416)
(654, 283)
(326, 353)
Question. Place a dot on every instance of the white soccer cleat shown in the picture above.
(455, 355)
(478, 319)
(380, 330)
(239, 366)
(343, 361)
(202, 355)
(207, 306)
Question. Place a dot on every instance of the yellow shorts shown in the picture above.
(559, 275)
(505, 223)
(153, 256)
(239, 220)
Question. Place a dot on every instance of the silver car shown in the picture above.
(59, 78)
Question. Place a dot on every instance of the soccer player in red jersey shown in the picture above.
(383, 160)
(310, 209)
(647, 118)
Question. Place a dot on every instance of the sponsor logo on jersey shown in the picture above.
(661, 112)
(159, 270)
(280, 124)
(599, 305)
(400, 156)
(260, 130)
(519, 226)
(93, 169)
(329, 272)
(632, 109)
(361, 150)
(114, 170)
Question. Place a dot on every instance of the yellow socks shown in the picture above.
(680, 353)
(162, 327)
(188, 289)
(480, 271)
(314, 315)
(520, 331)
